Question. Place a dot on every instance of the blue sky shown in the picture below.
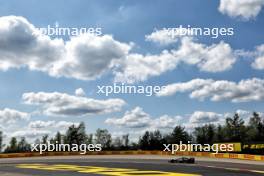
(130, 21)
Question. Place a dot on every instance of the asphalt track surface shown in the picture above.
(122, 165)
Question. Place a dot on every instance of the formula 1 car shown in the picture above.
(183, 160)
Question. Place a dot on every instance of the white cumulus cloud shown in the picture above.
(50, 124)
(137, 67)
(259, 61)
(243, 91)
(89, 56)
(205, 117)
(84, 57)
(214, 58)
(162, 37)
(137, 118)
(245, 9)
(29, 133)
(21, 45)
(62, 104)
(79, 92)
(11, 116)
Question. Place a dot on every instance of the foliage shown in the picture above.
(233, 130)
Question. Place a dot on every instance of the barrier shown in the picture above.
(140, 152)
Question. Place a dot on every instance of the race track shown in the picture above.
(122, 165)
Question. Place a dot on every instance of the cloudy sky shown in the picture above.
(50, 82)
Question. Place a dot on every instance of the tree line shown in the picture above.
(233, 130)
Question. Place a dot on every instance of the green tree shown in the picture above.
(81, 134)
(220, 134)
(71, 135)
(144, 141)
(178, 134)
(200, 134)
(103, 137)
(89, 139)
(76, 135)
(58, 137)
(125, 141)
(23, 146)
(205, 134)
(255, 130)
(52, 141)
(1, 141)
(210, 133)
(13, 146)
(44, 139)
(156, 140)
(117, 144)
(151, 141)
(235, 129)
